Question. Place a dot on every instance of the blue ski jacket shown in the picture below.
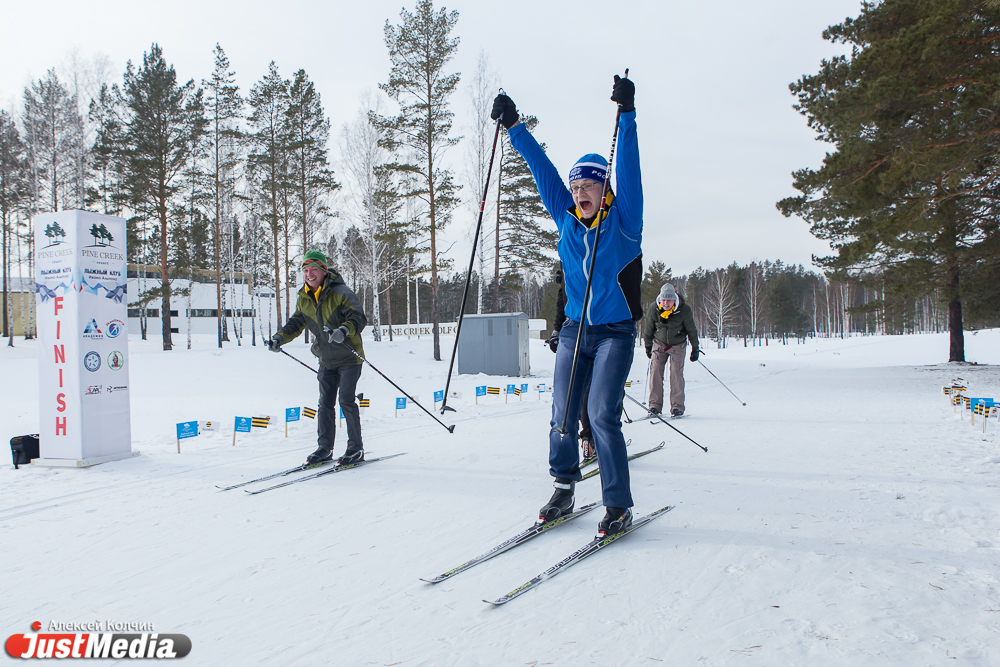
(617, 279)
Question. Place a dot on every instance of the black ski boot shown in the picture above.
(560, 503)
(352, 456)
(320, 455)
(654, 411)
(676, 412)
(615, 521)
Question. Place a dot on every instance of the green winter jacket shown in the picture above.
(337, 306)
(673, 330)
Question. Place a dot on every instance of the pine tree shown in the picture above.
(269, 157)
(521, 242)
(419, 49)
(224, 109)
(13, 196)
(160, 128)
(914, 116)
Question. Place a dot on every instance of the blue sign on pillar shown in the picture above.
(401, 403)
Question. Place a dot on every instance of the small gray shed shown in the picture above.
(495, 344)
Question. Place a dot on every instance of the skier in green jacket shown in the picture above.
(666, 329)
(331, 311)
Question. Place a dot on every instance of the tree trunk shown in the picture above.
(165, 278)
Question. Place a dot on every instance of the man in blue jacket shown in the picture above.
(609, 323)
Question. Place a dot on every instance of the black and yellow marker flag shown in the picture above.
(365, 403)
(259, 422)
(493, 390)
(309, 412)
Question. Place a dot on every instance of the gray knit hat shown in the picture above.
(667, 293)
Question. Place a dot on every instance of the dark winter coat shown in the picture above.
(337, 306)
(673, 330)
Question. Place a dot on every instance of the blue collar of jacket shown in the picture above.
(575, 212)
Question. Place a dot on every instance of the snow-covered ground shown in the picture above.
(846, 515)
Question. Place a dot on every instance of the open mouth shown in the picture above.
(585, 207)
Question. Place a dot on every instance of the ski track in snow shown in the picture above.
(845, 516)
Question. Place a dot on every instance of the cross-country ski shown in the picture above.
(509, 544)
(588, 549)
(329, 471)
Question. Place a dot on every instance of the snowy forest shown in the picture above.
(231, 187)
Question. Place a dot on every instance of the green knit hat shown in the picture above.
(314, 258)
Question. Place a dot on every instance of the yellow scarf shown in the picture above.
(315, 294)
(667, 313)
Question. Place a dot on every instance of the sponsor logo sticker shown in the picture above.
(114, 328)
(92, 330)
(116, 360)
(92, 361)
(114, 390)
(93, 390)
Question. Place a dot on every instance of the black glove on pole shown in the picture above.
(472, 259)
(505, 112)
(561, 430)
(694, 355)
(274, 344)
(553, 341)
(624, 93)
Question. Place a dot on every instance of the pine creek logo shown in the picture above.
(99, 640)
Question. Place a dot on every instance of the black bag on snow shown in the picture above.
(24, 448)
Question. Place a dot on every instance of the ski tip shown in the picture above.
(429, 581)
(448, 408)
(495, 603)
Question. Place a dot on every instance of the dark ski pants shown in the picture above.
(604, 363)
(344, 378)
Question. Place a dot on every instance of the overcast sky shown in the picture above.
(718, 135)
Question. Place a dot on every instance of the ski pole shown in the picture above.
(451, 429)
(649, 371)
(472, 260)
(720, 381)
(652, 414)
(300, 361)
(590, 276)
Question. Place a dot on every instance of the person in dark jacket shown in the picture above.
(608, 325)
(587, 447)
(335, 317)
(666, 330)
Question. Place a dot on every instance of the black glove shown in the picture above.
(337, 335)
(504, 109)
(623, 93)
(694, 355)
(553, 341)
(274, 344)
(649, 352)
